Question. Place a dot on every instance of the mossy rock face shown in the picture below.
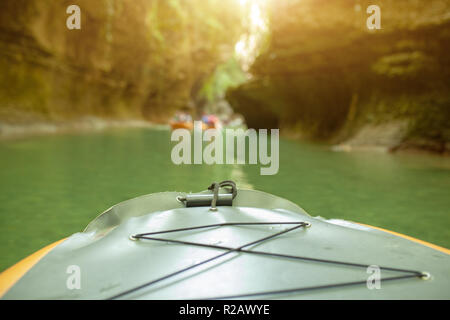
(131, 58)
(324, 72)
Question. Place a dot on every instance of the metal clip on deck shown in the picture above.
(215, 199)
(205, 200)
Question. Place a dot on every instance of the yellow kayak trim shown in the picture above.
(442, 249)
(10, 276)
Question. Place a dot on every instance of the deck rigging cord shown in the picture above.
(241, 249)
(301, 224)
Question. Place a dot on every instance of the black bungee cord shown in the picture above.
(241, 249)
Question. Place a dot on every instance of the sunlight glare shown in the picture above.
(246, 48)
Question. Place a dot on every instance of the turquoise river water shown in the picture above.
(52, 186)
